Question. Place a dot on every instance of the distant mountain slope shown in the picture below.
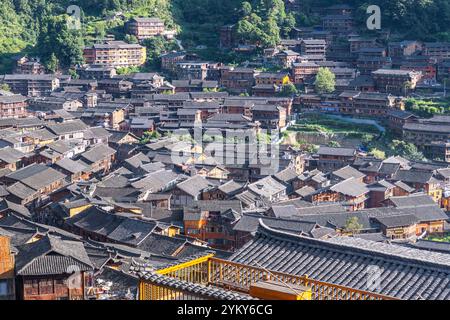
(21, 21)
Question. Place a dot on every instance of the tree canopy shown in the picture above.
(325, 81)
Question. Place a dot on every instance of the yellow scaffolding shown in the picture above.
(211, 271)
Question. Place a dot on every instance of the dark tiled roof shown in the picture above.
(98, 152)
(201, 290)
(413, 176)
(36, 176)
(346, 152)
(113, 227)
(160, 244)
(413, 200)
(405, 273)
(52, 255)
(351, 187)
(398, 220)
(348, 172)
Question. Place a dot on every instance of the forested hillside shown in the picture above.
(38, 25)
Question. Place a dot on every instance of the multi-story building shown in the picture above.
(227, 36)
(170, 60)
(269, 115)
(13, 106)
(144, 28)
(27, 65)
(6, 267)
(396, 81)
(335, 158)
(423, 64)
(313, 47)
(427, 131)
(192, 70)
(97, 72)
(304, 70)
(438, 150)
(368, 103)
(357, 43)
(403, 48)
(286, 58)
(368, 64)
(397, 119)
(33, 85)
(277, 78)
(238, 80)
(338, 23)
(116, 54)
(438, 50)
(443, 70)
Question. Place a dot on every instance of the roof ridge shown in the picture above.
(341, 246)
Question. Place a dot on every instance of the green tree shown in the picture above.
(131, 38)
(5, 87)
(52, 64)
(288, 90)
(406, 150)
(56, 38)
(353, 225)
(246, 8)
(379, 154)
(334, 144)
(325, 81)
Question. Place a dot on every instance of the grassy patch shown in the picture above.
(445, 238)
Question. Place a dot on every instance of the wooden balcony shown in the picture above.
(211, 272)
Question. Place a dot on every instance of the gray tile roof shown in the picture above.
(351, 187)
(52, 255)
(36, 176)
(114, 227)
(197, 289)
(194, 185)
(160, 244)
(412, 200)
(67, 127)
(250, 223)
(266, 187)
(398, 220)
(405, 273)
(98, 152)
(10, 155)
(70, 165)
(348, 172)
(347, 152)
(413, 176)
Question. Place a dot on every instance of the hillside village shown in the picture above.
(204, 180)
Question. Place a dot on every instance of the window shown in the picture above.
(193, 231)
(4, 287)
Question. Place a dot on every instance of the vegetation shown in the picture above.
(427, 108)
(28, 26)
(288, 90)
(155, 47)
(353, 225)
(149, 136)
(379, 154)
(406, 150)
(264, 22)
(445, 238)
(127, 70)
(325, 124)
(325, 81)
